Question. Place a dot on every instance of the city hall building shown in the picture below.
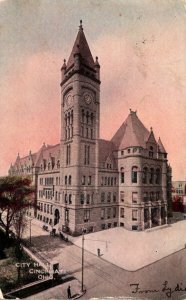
(85, 182)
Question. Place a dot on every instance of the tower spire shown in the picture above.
(82, 48)
(81, 25)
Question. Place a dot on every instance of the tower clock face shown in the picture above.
(87, 98)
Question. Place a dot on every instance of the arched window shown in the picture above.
(144, 175)
(70, 180)
(49, 164)
(66, 199)
(157, 176)
(151, 178)
(122, 175)
(56, 196)
(134, 174)
(92, 118)
(65, 179)
(151, 152)
(70, 199)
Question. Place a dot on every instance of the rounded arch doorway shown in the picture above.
(56, 217)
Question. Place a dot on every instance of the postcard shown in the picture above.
(92, 130)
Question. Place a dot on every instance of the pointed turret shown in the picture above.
(97, 68)
(81, 49)
(161, 147)
(151, 139)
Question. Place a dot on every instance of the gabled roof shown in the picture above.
(161, 147)
(131, 133)
(81, 47)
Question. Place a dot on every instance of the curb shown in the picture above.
(79, 296)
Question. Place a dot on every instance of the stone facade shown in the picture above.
(89, 183)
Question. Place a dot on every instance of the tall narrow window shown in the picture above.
(83, 180)
(86, 215)
(89, 180)
(157, 176)
(122, 196)
(66, 215)
(102, 197)
(144, 175)
(108, 213)
(134, 175)
(87, 155)
(122, 175)
(70, 180)
(134, 215)
(88, 199)
(102, 213)
(134, 197)
(114, 212)
(70, 199)
(151, 179)
(121, 212)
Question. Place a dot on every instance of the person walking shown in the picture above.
(69, 292)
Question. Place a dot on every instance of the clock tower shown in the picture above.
(80, 119)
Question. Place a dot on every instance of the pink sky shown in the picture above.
(141, 47)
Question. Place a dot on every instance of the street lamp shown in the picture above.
(82, 272)
(30, 220)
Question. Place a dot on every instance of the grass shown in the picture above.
(9, 279)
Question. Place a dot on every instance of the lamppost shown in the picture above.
(82, 272)
(30, 220)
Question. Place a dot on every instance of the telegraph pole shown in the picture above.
(82, 273)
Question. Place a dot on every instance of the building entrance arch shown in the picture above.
(56, 216)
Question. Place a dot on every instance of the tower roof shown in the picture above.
(131, 133)
(82, 48)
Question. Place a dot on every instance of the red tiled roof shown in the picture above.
(81, 46)
(131, 133)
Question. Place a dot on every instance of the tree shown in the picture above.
(16, 195)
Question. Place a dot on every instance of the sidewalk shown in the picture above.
(59, 292)
(132, 250)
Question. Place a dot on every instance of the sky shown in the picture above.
(141, 45)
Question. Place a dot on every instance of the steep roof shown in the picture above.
(81, 46)
(106, 149)
(161, 147)
(131, 133)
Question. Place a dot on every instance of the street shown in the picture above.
(102, 278)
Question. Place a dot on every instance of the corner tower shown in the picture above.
(80, 122)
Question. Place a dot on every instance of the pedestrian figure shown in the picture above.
(69, 292)
(99, 252)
